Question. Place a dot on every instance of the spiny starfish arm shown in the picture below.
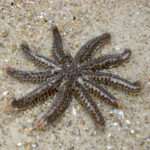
(30, 76)
(57, 50)
(117, 81)
(87, 50)
(101, 92)
(108, 61)
(36, 58)
(86, 100)
(58, 107)
(39, 94)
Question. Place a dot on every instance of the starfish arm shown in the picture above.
(87, 50)
(36, 58)
(39, 94)
(57, 50)
(30, 76)
(101, 92)
(108, 61)
(89, 104)
(58, 107)
(117, 81)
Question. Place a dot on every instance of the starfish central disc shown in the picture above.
(72, 71)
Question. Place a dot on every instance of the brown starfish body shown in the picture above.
(66, 76)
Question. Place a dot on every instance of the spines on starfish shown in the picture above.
(89, 104)
(39, 94)
(57, 49)
(117, 81)
(30, 76)
(59, 105)
(71, 76)
(108, 61)
(36, 58)
(101, 92)
(87, 50)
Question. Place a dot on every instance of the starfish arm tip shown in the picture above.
(24, 46)
(9, 70)
(126, 54)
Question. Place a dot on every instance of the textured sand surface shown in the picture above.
(128, 21)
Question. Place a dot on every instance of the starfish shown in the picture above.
(65, 77)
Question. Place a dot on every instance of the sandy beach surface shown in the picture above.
(128, 21)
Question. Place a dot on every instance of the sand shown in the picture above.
(78, 20)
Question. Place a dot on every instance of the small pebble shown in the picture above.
(109, 135)
(132, 131)
(42, 15)
(128, 122)
(109, 147)
(119, 113)
(115, 124)
(74, 112)
(5, 93)
(4, 34)
(34, 145)
(19, 144)
(5, 60)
